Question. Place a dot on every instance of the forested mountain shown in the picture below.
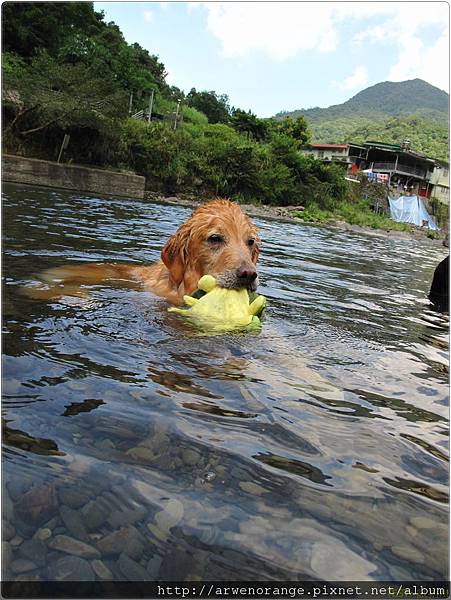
(389, 112)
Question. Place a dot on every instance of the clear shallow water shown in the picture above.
(317, 449)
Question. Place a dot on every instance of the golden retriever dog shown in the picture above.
(218, 239)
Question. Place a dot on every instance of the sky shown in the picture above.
(274, 56)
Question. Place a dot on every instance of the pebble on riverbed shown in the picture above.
(132, 570)
(126, 540)
(34, 550)
(37, 505)
(70, 568)
(7, 554)
(22, 565)
(72, 497)
(408, 553)
(101, 570)
(64, 543)
(170, 516)
(252, 488)
(190, 457)
(74, 523)
(95, 513)
(43, 534)
(8, 530)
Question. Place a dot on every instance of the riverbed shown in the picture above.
(133, 449)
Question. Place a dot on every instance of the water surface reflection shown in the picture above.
(316, 449)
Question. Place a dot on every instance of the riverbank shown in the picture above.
(80, 178)
(290, 214)
(348, 216)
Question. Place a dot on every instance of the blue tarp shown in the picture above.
(410, 209)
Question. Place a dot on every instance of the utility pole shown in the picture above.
(130, 103)
(149, 116)
(64, 145)
(177, 114)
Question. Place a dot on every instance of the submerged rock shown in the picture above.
(170, 516)
(43, 534)
(8, 530)
(126, 540)
(64, 543)
(34, 550)
(7, 504)
(126, 516)
(17, 487)
(7, 554)
(70, 568)
(73, 497)
(332, 559)
(408, 553)
(153, 566)
(38, 505)
(132, 570)
(190, 457)
(16, 541)
(101, 570)
(252, 488)
(21, 565)
(141, 453)
(74, 523)
(95, 513)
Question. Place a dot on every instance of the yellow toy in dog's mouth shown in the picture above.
(221, 309)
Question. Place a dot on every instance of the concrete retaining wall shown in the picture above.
(18, 169)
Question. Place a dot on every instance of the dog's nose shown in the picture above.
(247, 273)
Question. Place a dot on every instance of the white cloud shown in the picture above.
(358, 79)
(148, 16)
(282, 30)
(402, 30)
(431, 64)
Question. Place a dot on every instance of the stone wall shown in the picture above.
(18, 169)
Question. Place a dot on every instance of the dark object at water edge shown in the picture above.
(439, 293)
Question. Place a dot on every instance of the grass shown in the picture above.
(355, 213)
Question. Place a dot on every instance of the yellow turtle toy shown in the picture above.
(221, 309)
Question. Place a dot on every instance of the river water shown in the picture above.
(133, 449)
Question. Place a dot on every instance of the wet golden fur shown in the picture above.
(187, 255)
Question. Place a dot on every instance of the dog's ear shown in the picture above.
(255, 252)
(174, 255)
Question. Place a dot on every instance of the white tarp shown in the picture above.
(410, 209)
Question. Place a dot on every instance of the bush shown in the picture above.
(357, 213)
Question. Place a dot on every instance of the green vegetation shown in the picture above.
(67, 71)
(388, 111)
(359, 213)
(425, 135)
(440, 212)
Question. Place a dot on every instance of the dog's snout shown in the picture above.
(247, 273)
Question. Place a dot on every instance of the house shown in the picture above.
(405, 169)
(440, 181)
(398, 166)
(329, 152)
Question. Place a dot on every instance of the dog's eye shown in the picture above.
(250, 242)
(215, 238)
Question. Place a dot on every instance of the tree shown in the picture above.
(215, 107)
(247, 122)
(45, 99)
(297, 129)
(31, 26)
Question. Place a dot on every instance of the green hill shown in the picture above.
(389, 112)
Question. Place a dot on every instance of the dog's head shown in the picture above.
(218, 239)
